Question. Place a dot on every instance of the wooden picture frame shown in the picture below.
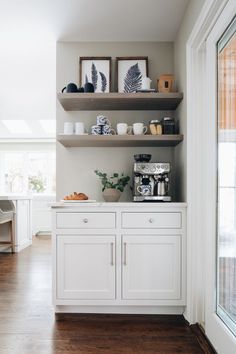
(129, 72)
(96, 70)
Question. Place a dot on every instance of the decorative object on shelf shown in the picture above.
(130, 71)
(103, 126)
(68, 128)
(88, 87)
(155, 127)
(102, 120)
(96, 70)
(123, 129)
(139, 129)
(112, 186)
(96, 130)
(165, 83)
(146, 83)
(168, 125)
(79, 128)
(71, 87)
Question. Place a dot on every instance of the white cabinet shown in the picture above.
(85, 267)
(23, 223)
(151, 267)
(119, 257)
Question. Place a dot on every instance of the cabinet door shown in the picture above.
(85, 267)
(151, 267)
(23, 235)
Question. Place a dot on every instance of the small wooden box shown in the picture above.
(165, 83)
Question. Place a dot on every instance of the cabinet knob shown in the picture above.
(151, 220)
(85, 221)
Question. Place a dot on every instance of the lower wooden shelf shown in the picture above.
(119, 140)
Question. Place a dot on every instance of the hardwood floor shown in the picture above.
(28, 324)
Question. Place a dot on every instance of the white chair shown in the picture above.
(7, 216)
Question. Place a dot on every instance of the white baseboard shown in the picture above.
(137, 310)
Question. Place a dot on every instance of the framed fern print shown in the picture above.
(96, 70)
(130, 71)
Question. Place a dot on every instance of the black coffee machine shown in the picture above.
(151, 180)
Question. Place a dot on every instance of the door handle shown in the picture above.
(125, 254)
(112, 253)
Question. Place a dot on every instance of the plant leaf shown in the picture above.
(86, 78)
(133, 79)
(94, 76)
(104, 81)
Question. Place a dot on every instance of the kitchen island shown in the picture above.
(119, 257)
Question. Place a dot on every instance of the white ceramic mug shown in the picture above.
(79, 128)
(68, 128)
(139, 129)
(123, 129)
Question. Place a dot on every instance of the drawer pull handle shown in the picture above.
(85, 221)
(151, 220)
(125, 253)
(112, 253)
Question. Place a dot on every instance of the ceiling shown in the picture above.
(93, 20)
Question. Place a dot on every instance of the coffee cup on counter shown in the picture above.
(139, 129)
(68, 128)
(123, 129)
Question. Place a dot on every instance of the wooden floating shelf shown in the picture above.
(119, 101)
(119, 140)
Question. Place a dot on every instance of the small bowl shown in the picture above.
(142, 157)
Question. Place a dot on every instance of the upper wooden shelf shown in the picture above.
(119, 101)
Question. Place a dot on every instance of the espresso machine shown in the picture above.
(151, 182)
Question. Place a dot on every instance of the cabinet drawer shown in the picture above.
(152, 220)
(86, 220)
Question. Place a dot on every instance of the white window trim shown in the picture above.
(201, 164)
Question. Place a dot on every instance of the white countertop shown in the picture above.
(15, 197)
(119, 204)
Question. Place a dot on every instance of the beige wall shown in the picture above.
(187, 25)
(75, 166)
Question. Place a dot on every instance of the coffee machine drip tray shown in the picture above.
(151, 198)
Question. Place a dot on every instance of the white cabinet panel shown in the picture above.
(23, 223)
(158, 220)
(86, 220)
(151, 267)
(85, 267)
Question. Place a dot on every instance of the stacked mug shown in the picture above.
(103, 126)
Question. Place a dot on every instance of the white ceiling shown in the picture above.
(93, 20)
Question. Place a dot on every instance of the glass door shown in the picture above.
(226, 210)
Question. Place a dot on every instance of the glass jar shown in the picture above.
(155, 127)
(168, 125)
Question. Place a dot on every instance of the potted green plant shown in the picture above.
(112, 186)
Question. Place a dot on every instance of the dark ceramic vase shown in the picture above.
(88, 87)
(71, 87)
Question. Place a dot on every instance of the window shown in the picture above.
(27, 172)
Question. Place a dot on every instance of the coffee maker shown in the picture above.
(151, 181)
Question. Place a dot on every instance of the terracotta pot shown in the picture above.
(111, 195)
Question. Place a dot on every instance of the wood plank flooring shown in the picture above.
(28, 324)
